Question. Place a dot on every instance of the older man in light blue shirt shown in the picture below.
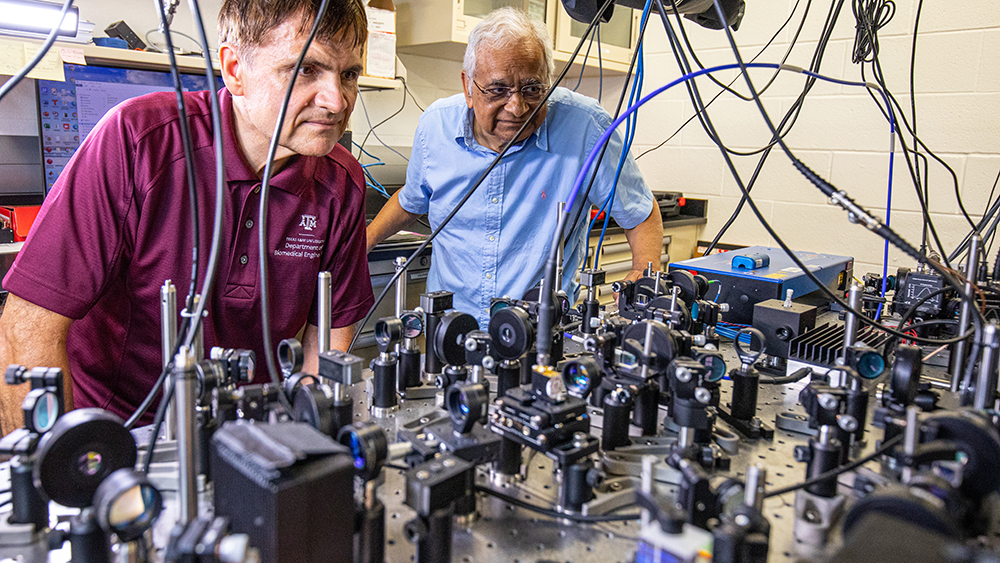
(498, 241)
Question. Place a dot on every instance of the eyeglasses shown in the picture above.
(531, 93)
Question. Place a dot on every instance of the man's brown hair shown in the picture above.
(246, 23)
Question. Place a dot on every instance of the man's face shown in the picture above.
(321, 104)
(498, 118)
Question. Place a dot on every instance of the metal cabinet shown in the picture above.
(440, 29)
(618, 37)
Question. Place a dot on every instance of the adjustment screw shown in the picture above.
(847, 422)
(702, 395)
(683, 375)
(827, 401)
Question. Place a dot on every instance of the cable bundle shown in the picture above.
(871, 16)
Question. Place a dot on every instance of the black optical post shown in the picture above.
(408, 373)
(434, 305)
(370, 447)
(42, 407)
(432, 489)
(388, 332)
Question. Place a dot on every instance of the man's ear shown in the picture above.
(466, 86)
(231, 66)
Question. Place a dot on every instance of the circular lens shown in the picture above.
(563, 304)
(89, 463)
(251, 366)
(576, 377)
(581, 376)
(466, 405)
(356, 446)
(134, 507)
(716, 368)
(127, 504)
(871, 365)
(456, 405)
(357, 451)
(81, 450)
(368, 445)
(498, 305)
(290, 356)
(387, 332)
(413, 325)
(512, 333)
(381, 331)
(45, 414)
(507, 334)
(731, 496)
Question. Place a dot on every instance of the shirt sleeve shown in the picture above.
(415, 195)
(80, 239)
(633, 199)
(352, 295)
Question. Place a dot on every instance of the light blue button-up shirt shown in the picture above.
(498, 242)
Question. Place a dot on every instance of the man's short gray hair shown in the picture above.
(502, 28)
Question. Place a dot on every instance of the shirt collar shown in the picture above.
(289, 178)
(465, 134)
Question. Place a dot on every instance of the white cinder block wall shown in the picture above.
(840, 133)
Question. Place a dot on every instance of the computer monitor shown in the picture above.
(68, 111)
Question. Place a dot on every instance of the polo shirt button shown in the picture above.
(256, 189)
(492, 238)
(495, 200)
(244, 259)
(489, 276)
(249, 223)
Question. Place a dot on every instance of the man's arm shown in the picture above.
(31, 336)
(389, 221)
(340, 339)
(646, 242)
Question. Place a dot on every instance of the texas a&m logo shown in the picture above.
(308, 221)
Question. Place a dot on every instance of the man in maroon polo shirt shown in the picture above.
(84, 291)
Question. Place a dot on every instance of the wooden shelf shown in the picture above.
(145, 60)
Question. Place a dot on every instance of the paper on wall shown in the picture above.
(380, 60)
(49, 68)
(71, 55)
(14, 55)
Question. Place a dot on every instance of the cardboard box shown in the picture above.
(380, 51)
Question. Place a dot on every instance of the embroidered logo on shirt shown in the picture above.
(301, 247)
(308, 221)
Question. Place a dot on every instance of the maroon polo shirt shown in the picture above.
(117, 224)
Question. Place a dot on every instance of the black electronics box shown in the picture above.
(914, 286)
(781, 324)
(121, 30)
(289, 487)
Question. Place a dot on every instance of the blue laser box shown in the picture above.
(743, 285)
